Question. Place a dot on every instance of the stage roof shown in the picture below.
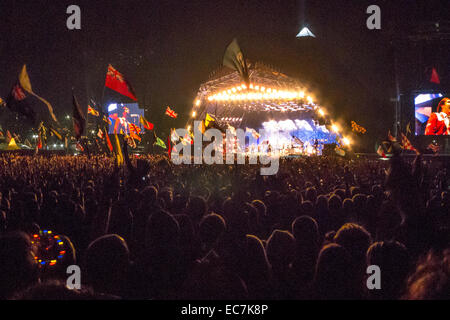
(269, 92)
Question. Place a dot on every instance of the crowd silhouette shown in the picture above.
(154, 230)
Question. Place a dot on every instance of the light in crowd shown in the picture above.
(197, 102)
(194, 114)
(321, 112)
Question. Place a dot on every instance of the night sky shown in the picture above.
(166, 49)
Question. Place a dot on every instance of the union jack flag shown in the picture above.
(171, 113)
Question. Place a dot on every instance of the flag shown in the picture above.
(107, 120)
(408, 128)
(434, 76)
(79, 120)
(92, 111)
(25, 83)
(79, 147)
(147, 125)
(171, 113)
(169, 151)
(54, 132)
(119, 154)
(160, 143)
(108, 141)
(100, 134)
(381, 151)
(390, 137)
(8, 136)
(134, 131)
(433, 147)
(407, 144)
(17, 103)
(117, 82)
(235, 60)
(208, 120)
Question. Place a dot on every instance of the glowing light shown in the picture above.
(310, 99)
(210, 98)
(335, 128)
(346, 141)
(321, 112)
(194, 114)
(197, 102)
(188, 128)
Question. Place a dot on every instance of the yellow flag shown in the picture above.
(119, 154)
(24, 81)
(208, 119)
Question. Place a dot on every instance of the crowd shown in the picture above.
(153, 230)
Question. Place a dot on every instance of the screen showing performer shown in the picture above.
(432, 112)
(121, 115)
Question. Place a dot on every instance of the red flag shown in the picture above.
(147, 125)
(390, 137)
(434, 77)
(39, 144)
(169, 151)
(171, 113)
(8, 136)
(108, 141)
(117, 82)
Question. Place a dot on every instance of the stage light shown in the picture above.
(335, 128)
(310, 99)
(234, 89)
(210, 98)
(346, 141)
(263, 89)
(243, 86)
(256, 87)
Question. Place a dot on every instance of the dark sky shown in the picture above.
(166, 49)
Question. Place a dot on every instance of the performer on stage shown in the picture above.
(122, 122)
(439, 122)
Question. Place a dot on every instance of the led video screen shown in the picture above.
(432, 111)
(121, 115)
